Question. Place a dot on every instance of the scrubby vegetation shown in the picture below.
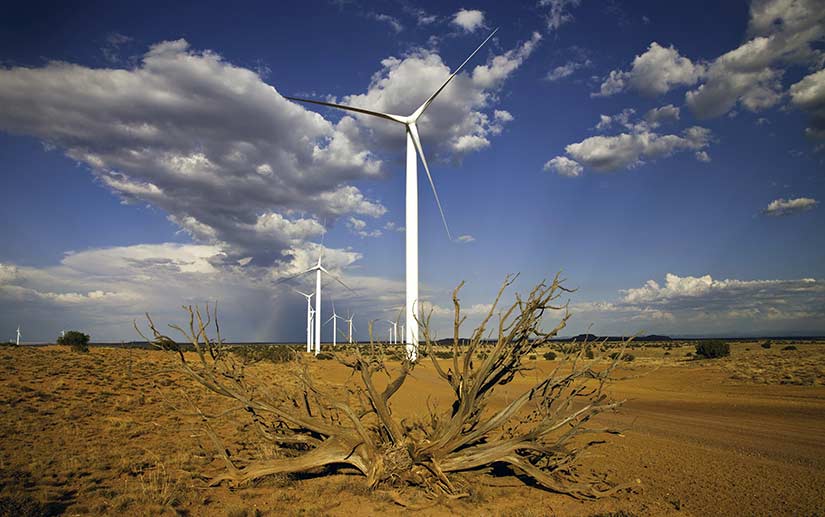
(712, 349)
(789, 347)
(270, 353)
(766, 344)
(621, 355)
(76, 340)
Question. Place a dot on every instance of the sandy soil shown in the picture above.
(97, 434)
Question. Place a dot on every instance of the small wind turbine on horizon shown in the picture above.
(318, 269)
(309, 318)
(311, 330)
(414, 150)
(350, 327)
(18, 335)
(334, 319)
(393, 331)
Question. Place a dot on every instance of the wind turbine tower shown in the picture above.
(334, 319)
(309, 318)
(349, 330)
(413, 148)
(18, 335)
(393, 332)
(318, 269)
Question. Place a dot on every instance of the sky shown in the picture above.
(668, 158)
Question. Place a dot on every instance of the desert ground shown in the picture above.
(112, 432)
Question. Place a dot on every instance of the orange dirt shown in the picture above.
(96, 434)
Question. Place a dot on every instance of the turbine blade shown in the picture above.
(394, 118)
(287, 278)
(429, 101)
(330, 319)
(337, 279)
(417, 142)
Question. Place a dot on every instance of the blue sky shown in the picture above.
(667, 157)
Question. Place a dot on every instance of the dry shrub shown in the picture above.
(541, 433)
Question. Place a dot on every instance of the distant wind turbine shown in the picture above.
(18, 335)
(309, 318)
(334, 319)
(413, 147)
(393, 332)
(311, 330)
(350, 327)
(318, 269)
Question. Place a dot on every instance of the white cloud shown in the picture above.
(465, 238)
(8, 272)
(702, 156)
(469, 20)
(558, 14)
(809, 94)
(782, 32)
(463, 117)
(779, 207)
(657, 116)
(655, 72)
(706, 306)
(392, 227)
(624, 119)
(606, 153)
(392, 21)
(567, 69)
(210, 143)
(359, 228)
(564, 166)
(102, 291)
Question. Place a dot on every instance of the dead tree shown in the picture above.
(542, 433)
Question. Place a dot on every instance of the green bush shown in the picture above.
(712, 349)
(624, 357)
(550, 356)
(790, 347)
(325, 356)
(766, 344)
(77, 341)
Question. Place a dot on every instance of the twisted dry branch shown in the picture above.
(538, 433)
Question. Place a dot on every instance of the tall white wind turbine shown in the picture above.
(309, 318)
(18, 335)
(413, 148)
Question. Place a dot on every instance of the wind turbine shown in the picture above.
(349, 331)
(413, 147)
(318, 269)
(311, 330)
(334, 319)
(393, 332)
(18, 335)
(309, 318)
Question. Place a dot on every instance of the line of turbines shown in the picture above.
(313, 328)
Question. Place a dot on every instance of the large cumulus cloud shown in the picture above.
(210, 143)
